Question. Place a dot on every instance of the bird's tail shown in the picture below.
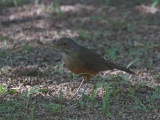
(123, 69)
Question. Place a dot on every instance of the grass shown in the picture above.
(25, 102)
(107, 2)
(7, 55)
(146, 104)
(112, 51)
(13, 2)
(117, 24)
(105, 100)
(55, 108)
(150, 64)
(116, 90)
(3, 89)
(13, 109)
(96, 18)
(132, 62)
(57, 8)
(54, 8)
(32, 114)
(157, 76)
(135, 52)
(105, 103)
(155, 2)
(145, 20)
(154, 96)
(8, 107)
(27, 94)
(131, 27)
(84, 35)
(139, 104)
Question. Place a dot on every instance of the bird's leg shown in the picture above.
(77, 92)
(80, 86)
(83, 90)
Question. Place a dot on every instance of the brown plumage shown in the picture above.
(83, 61)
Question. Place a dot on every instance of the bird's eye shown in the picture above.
(64, 43)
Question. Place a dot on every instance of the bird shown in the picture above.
(83, 61)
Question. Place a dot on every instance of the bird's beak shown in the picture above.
(53, 45)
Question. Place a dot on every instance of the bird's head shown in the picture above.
(65, 45)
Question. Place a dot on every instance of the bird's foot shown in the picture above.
(80, 92)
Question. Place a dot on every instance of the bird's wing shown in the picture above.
(93, 61)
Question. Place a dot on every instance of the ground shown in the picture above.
(36, 85)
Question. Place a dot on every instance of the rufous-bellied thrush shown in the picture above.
(83, 61)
